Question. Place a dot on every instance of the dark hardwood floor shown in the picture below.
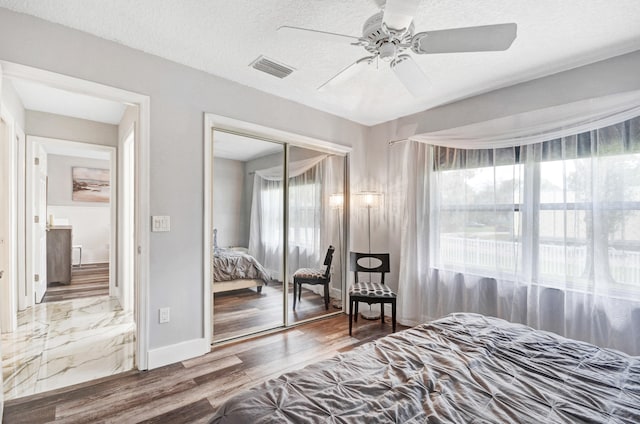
(190, 391)
(87, 280)
(241, 312)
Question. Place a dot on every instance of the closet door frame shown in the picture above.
(213, 123)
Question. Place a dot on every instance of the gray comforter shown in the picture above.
(464, 368)
(234, 265)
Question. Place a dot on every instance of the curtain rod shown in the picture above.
(392, 142)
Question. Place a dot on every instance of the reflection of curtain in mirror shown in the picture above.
(312, 224)
(265, 233)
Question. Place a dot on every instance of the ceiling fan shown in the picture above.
(389, 35)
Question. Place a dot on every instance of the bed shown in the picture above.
(464, 368)
(235, 269)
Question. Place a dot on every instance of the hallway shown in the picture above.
(86, 280)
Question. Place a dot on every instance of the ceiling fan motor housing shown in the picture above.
(379, 41)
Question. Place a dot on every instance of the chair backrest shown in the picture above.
(327, 261)
(358, 266)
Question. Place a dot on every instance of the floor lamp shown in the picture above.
(370, 200)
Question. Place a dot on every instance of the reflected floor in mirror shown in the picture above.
(241, 312)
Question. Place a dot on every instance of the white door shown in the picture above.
(128, 222)
(8, 230)
(5, 289)
(39, 223)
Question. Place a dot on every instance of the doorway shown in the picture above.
(132, 156)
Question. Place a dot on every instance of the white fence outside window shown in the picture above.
(555, 260)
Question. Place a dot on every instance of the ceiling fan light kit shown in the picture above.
(389, 35)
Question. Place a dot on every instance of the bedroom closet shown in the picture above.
(277, 228)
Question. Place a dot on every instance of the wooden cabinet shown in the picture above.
(59, 255)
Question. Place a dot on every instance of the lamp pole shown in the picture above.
(370, 199)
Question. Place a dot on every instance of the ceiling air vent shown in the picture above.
(271, 67)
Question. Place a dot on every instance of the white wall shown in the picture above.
(73, 129)
(179, 97)
(229, 203)
(91, 222)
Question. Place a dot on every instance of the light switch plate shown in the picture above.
(164, 315)
(160, 223)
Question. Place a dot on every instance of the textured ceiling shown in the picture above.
(222, 37)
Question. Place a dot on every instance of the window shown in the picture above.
(572, 206)
(304, 214)
(479, 224)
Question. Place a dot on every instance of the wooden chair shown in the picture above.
(369, 292)
(314, 276)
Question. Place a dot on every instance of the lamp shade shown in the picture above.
(369, 199)
(336, 201)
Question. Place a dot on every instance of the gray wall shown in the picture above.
(229, 203)
(74, 129)
(179, 97)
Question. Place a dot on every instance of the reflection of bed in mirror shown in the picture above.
(235, 269)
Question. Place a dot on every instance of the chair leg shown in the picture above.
(393, 315)
(294, 294)
(382, 314)
(350, 315)
(299, 290)
(326, 297)
(355, 316)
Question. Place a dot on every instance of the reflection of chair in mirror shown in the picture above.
(370, 292)
(314, 276)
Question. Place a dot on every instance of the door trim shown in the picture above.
(13, 70)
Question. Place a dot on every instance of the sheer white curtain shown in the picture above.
(265, 231)
(546, 234)
(313, 225)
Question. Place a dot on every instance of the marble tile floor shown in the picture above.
(68, 342)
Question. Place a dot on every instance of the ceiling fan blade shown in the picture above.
(316, 35)
(411, 75)
(398, 14)
(471, 39)
(348, 72)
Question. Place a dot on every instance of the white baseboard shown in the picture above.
(177, 352)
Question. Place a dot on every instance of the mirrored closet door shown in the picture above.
(248, 234)
(315, 233)
(254, 277)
